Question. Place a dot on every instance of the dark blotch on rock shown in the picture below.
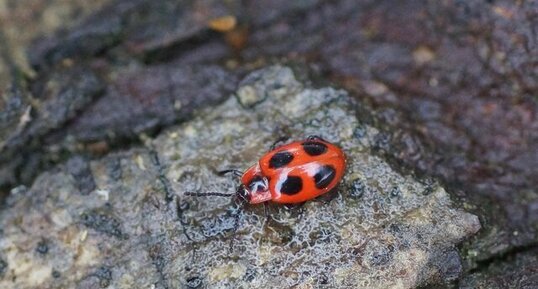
(114, 169)
(324, 176)
(452, 266)
(103, 223)
(382, 143)
(80, 170)
(56, 274)
(42, 247)
(3, 267)
(395, 192)
(357, 188)
(429, 186)
(292, 185)
(250, 274)
(280, 159)
(314, 148)
(323, 279)
(359, 132)
(394, 228)
(383, 256)
(105, 276)
(194, 282)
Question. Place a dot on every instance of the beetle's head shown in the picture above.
(255, 191)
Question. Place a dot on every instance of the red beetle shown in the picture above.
(289, 174)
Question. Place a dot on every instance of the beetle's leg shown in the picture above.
(180, 208)
(279, 140)
(266, 210)
(330, 195)
(237, 218)
(295, 209)
(267, 215)
(207, 194)
(236, 173)
(234, 233)
(290, 207)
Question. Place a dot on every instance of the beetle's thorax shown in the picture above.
(256, 185)
(258, 190)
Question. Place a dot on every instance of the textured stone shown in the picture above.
(138, 229)
(520, 270)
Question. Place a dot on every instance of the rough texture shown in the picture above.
(145, 99)
(517, 271)
(78, 111)
(114, 222)
(75, 101)
(451, 84)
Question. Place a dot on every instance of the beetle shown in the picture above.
(290, 174)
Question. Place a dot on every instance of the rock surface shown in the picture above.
(123, 221)
(517, 271)
(66, 98)
(452, 85)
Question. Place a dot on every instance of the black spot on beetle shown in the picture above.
(292, 185)
(314, 148)
(280, 159)
(324, 176)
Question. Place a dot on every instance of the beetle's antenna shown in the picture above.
(215, 194)
(280, 139)
(236, 173)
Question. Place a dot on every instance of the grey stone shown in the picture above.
(377, 240)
